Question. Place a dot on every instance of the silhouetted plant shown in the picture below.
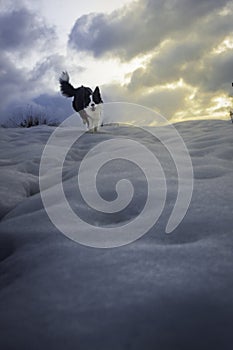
(29, 116)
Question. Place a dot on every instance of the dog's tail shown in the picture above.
(66, 88)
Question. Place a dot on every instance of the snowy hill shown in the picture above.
(163, 291)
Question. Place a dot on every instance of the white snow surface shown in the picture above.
(160, 292)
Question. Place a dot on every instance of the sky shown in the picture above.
(173, 56)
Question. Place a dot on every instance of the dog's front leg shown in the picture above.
(83, 114)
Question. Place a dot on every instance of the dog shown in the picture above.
(86, 102)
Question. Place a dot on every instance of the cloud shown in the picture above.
(20, 87)
(140, 27)
(185, 71)
(215, 74)
(166, 101)
(12, 79)
(56, 106)
(27, 68)
(22, 30)
(184, 46)
(193, 60)
(167, 65)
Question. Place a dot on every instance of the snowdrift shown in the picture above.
(160, 292)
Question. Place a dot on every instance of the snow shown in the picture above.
(163, 291)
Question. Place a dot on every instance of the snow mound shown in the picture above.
(160, 292)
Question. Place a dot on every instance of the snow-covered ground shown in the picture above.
(163, 291)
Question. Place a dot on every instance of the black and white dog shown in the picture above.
(86, 102)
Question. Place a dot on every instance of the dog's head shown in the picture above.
(86, 98)
(95, 98)
(83, 96)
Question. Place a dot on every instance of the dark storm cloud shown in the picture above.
(20, 87)
(12, 81)
(140, 27)
(22, 30)
(25, 36)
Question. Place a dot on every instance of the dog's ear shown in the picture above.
(97, 96)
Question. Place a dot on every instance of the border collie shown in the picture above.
(86, 102)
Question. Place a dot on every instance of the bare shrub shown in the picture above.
(29, 116)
